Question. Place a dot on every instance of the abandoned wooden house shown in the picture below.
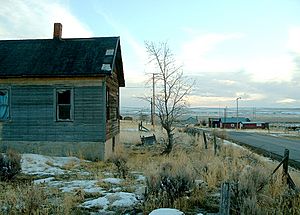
(60, 96)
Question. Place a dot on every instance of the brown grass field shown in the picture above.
(189, 179)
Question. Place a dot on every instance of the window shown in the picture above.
(64, 105)
(4, 105)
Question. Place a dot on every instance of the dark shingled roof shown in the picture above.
(78, 57)
(234, 119)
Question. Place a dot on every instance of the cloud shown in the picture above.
(226, 82)
(193, 52)
(271, 69)
(34, 19)
(208, 101)
(286, 101)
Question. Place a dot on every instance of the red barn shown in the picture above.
(255, 125)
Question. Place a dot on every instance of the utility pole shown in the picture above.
(254, 114)
(225, 114)
(237, 112)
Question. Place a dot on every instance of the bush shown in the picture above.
(169, 183)
(26, 198)
(245, 198)
(120, 158)
(10, 165)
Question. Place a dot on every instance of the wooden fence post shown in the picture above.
(285, 166)
(215, 144)
(225, 199)
(205, 141)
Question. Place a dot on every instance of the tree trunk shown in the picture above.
(170, 142)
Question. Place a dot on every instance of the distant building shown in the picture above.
(213, 122)
(232, 122)
(255, 125)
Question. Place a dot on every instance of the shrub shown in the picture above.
(245, 197)
(19, 198)
(170, 182)
(120, 158)
(10, 165)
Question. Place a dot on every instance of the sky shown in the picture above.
(230, 48)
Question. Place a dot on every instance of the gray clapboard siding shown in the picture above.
(33, 115)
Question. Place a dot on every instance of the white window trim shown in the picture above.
(56, 106)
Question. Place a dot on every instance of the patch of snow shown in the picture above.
(35, 164)
(141, 178)
(140, 191)
(164, 211)
(88, 186)
(113, 180)
(116, 189)
(43, 180)
(119, 199)
(125, 199)
(101, 202)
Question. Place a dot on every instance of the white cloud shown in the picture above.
(214, 101)
(226, 82)
(274, 69)
(193, 52)
(286, 101)
(35, 18)
(208, 101)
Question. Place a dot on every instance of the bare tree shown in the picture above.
(172, 88)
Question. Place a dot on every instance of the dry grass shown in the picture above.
(26, 198)
(190, 175)
(244, 169)
(119, 158)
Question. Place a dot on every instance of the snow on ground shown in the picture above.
(113, 180)
(43, 180)
(118, 199)
(164, 211)
(47, 167)
(88, 186)
(35, 164)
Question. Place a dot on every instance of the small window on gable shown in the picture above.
(106, 67)
(109, 52)
(64, 104)
(4, 104)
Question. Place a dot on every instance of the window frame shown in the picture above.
(56, 105)
(8, 103)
